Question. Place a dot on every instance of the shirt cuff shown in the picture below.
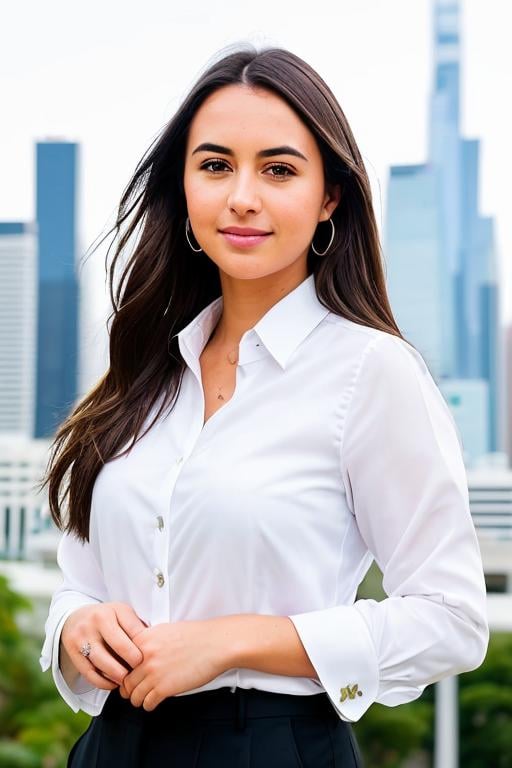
(339, 645)
(82, 695)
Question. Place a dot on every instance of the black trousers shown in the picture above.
(248, 728)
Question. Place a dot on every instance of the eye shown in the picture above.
(212, 162)
(283, 171)
(286, 168)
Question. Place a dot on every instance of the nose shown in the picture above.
(243, 194)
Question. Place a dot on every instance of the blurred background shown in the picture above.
(424, 85)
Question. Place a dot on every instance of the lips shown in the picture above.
(244, 240)
(244, 231)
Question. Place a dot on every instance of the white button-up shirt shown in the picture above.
(336, 448)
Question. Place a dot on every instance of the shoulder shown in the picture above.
(392, 380)
(375, 349)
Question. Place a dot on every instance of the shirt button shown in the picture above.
(178, 461)
(160, 522)
(159, 578)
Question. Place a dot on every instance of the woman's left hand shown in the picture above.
(177, 657)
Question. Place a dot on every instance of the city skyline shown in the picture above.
(383, 87)
(442, 256)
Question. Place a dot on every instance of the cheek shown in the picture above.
(297, 213)
(201, 198)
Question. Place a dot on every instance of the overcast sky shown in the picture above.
(110, 74)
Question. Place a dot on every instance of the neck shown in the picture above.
(246, 301)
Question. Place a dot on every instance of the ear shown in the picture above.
(331, 200)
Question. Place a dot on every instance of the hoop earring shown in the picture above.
(330, 241)
(187, 229)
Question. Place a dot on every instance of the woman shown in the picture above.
(263, 433)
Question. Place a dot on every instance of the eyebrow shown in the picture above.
(283, 150)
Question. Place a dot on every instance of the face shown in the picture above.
(252, 163)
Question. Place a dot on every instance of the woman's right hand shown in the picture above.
(110, 629)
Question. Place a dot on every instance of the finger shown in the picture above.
(128, 619)
(96, 679)
(151, 701)
(123, 692)
(122, 647)
(87, 669)
(105, 663)
(134, 678)
(140, 692)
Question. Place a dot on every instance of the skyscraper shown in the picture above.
(18, 305)
(58, 310)
(440, 251)
(444, 155)
(415, 270)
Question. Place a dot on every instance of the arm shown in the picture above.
(82, 585)
(264, 642)
(405, 482)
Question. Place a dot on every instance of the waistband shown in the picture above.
(222, 704)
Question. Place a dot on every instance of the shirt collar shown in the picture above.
(281, 329)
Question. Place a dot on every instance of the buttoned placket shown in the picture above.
(162, 589)
(250, 350)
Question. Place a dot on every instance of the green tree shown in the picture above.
(37, 728)
(485, 701)
(389, 735)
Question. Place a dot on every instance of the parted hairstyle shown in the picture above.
(164, 285)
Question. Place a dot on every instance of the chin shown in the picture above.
(246, 272)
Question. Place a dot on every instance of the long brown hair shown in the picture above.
(162, 288)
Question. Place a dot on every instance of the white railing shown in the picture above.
(20, 527)
(491, 509)
(22, 508)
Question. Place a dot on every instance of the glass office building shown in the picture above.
(58, 295)
(440, 252)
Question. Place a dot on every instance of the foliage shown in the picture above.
(389, 735)
(485, 700)
(37, 728)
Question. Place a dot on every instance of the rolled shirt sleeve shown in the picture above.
(406, 485)
(82, 585)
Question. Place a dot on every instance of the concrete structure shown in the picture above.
(23, 512)
(507, 398)
(490, 497)
(18, 312)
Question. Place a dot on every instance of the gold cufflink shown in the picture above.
(350, 692)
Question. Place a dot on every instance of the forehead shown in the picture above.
(239, 115)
